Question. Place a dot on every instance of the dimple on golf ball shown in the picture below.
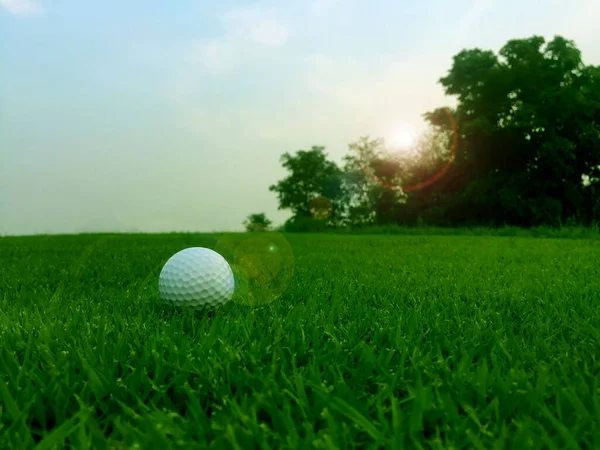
(197, 277)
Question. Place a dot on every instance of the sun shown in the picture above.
(402, 138)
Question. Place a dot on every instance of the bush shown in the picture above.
(305, 225)
(257, 222)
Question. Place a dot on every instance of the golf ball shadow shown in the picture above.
(262, 265)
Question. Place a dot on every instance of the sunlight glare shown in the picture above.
(403, 138)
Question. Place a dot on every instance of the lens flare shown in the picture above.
(262, 264)
(321, 207)
(367, 165)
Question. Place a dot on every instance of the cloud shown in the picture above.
(247, 31)
(582, 21)
(384, 82)
(250, 34)
(331, 13)
(324, 7)
(342, 99)
(22, 7)
(477, 10)
(333, 99)
(349, 98)
(214, 56)
(255, 25)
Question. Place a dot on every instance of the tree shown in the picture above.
(529, 126)
(312, 178)
(522, 148)
(387, 187)
(429, 176)
(257, 222)
(372, 180)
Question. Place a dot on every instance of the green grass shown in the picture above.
(566, 232)
(379, 342)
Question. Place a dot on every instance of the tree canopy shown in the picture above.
(257, 222)
(521, 148)
(529, 131)
(311, 177)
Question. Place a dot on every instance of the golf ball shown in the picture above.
(197, 277)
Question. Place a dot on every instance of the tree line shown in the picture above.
(521, 148)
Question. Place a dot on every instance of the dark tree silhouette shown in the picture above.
(311, 178)
(521, 148)
(529, 130)
(257, 222)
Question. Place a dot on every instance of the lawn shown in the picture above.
(378, 342)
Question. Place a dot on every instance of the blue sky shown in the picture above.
(171, 116)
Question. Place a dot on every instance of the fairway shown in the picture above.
(378, 342)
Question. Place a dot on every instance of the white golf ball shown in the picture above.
(197, 277)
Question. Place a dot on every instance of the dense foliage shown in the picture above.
(521, 148)
(257, 222)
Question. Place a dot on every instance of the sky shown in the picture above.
(165, 116)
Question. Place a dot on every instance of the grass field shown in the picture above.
(379, 342)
